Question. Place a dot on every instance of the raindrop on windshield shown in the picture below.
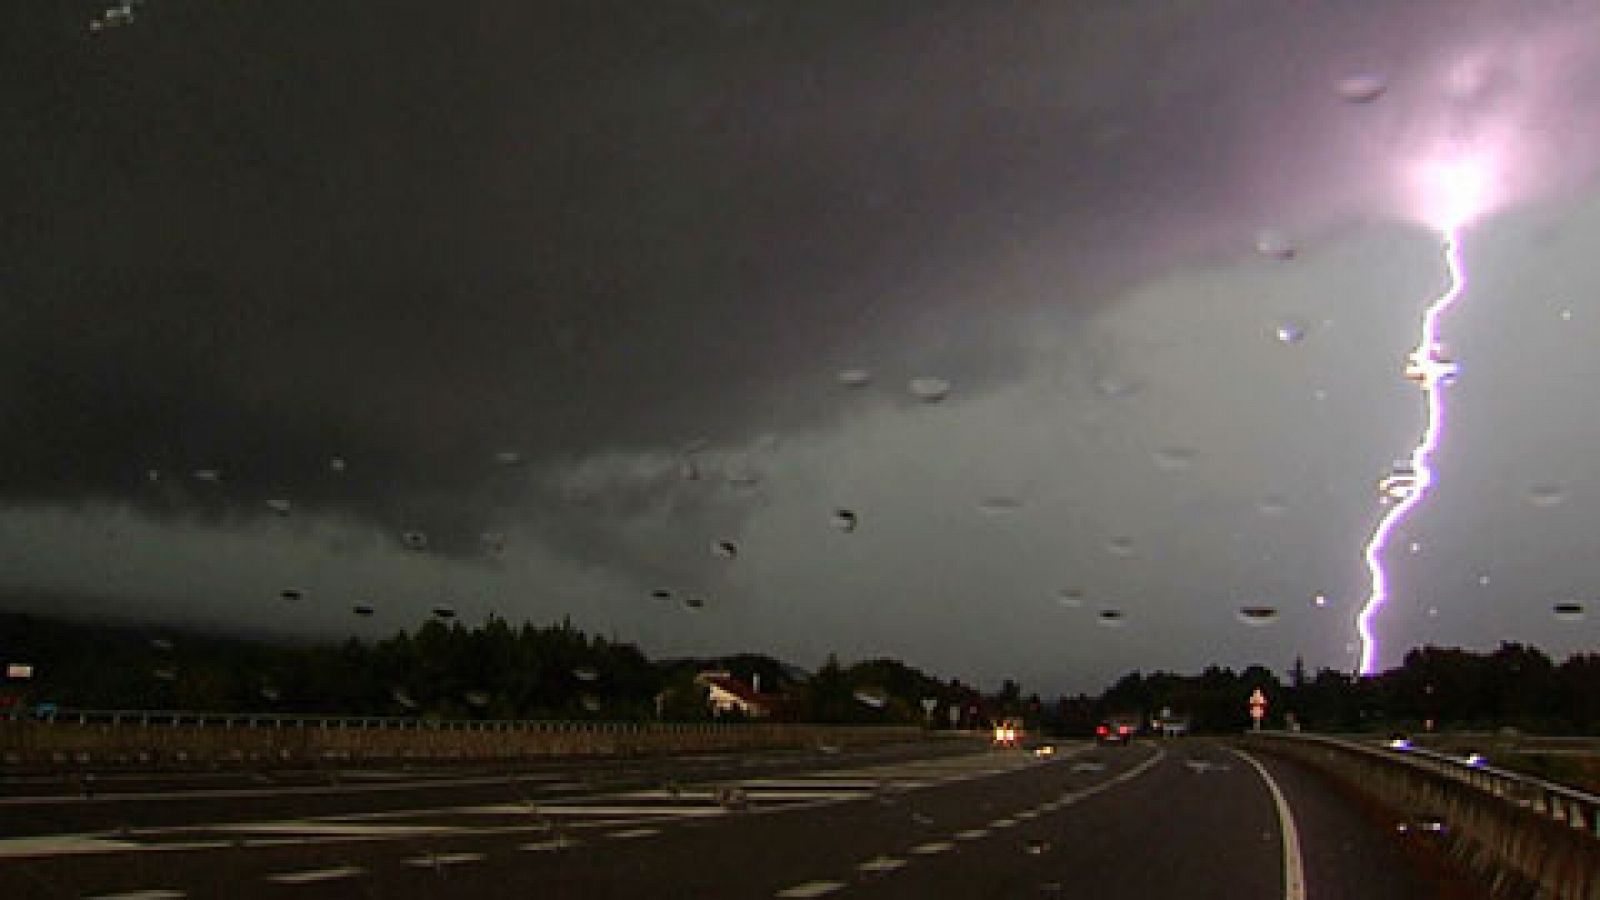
(211, 475)
(845, 520)
(494, 542)
(999, 505)
(929, 389)
(1174, 459)
(336, 464)
(585, 673)
(694, 601)
(1483, 580)
(1289, 332)
(661, 594)
(742, 479)
(415, 540)
(1362, 88)
(1112, 618)
(166, 673)
(1071, 598)
(162, 644)
(1273, 244)
(361, 609)
(402, 697)
(1272, 506)
(1116, 386)
(1320, 600)
(444, 611)
(876, 698)
(270, 693)
(290, 594)
(855, 377)
(477, 698)
(724, 548)
(1545, 496)
(590, 703)
(1120, 546)
(152, 475)
(508, 458)
(279, 505)
(1568, 612)
(1257, 615)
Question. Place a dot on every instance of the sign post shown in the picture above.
(1258, 708)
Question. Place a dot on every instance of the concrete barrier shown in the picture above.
(1524, 837)
(187, 740)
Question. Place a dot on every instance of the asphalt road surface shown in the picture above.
(1181, 819)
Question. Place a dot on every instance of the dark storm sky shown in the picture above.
(631, 242)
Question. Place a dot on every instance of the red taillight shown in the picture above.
(1102, 730)
(1123, 729)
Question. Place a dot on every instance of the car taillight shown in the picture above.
(1102, 731)
(1123, 729)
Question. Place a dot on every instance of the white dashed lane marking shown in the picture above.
(931, 848)
(635, 833)
(156, 894)
(972, 834)
(811, 889)
(881, 864)
(444, 859)
(310, 876)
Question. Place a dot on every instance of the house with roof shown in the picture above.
(728, 695)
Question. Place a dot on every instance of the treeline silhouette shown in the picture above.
(500, 671)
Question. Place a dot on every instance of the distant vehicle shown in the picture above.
(45, 710)
(1117, 730)
(1044, 751)
(1008, 733)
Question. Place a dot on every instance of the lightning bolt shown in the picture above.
(1432, 372)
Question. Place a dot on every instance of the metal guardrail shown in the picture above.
(175, 718)
(1558, 802)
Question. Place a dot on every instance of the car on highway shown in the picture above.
(1116, 730)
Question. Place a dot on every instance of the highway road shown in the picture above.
(1189, 818)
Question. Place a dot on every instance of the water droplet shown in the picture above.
(1545, 496)
(1483, 580)
(1071, 598)
(694, 602)
(290, 594)
(336, 464)
(279, 505)
(661, 594)
(999, 505)
(1174, 459)
(415, 540)
(1116, 386)
(444, 611)
(1274, 244)
(1289, 332)
(742, 479)
(1433, 612)
(494, 542)
(590, 702)
(688, 470)
(1112, 618)
(1566, 315)
(845, 520)
(152, 475)
(876, 698)
(402, 697)
(1415, 547)
(929, 389)
(1568, 612)
(855, 378)
(724, 548)
(1320, 600)
(1272, 505)
(1120, 546)
(477, 698)
(362, 609)
(211, 475)
(166, 673)
(585, 673)
(508, 458)
(1362, 88)
(1258, 616)
(270, 693)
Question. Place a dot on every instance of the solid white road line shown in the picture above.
(308, 876)
(811, 889)
(635, 833)
(931, 848)
(1294, 879)
(972, 834)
